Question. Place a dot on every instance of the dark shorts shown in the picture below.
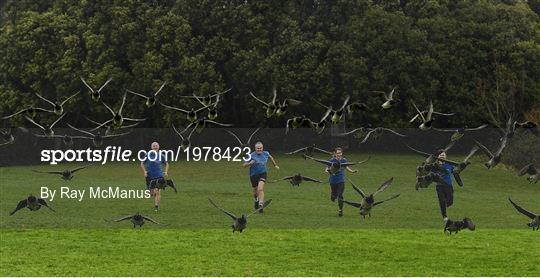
(337, 191)
(256, 178)
(149, 184)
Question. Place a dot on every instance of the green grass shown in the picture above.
(299, 234)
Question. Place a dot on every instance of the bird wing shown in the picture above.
(327, 107)
(355, 163)
(251, 136)
(257, 99)
(528, 169)
(347, 98)
(57, 120)
(476, 128)
(328, 111)
(234, 135)
(391, 130)
(67, 99)
(220, 93)
(216, 123)
(86, 84)
(380, 202)
(522, 210)
(430, 111)
(80, 130)
(502, 146)
(417, 115)
(354, 204)
(296, 151)
(325, 162)
(124, 218)
(22, 204)
(150, 219)
(471, 153)
(122, 105)
(351, 132)
(391, 94)
(137, 94)
(419, 152)
(311, 179)
(282, 179)
(383, 186)
(170, 183)
(266, 203)
(174, 108)
(46, 100)
(117, 134)
(484, 148)
(357, 189)
(160, 88)
(33, 122)
(48, 172)
(102, 86)
(80, 168)
(224, 211)
(44, 203)
(321, 150)
(457, 177)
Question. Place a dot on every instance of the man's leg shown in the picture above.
(254, 189)
(341, 189)
(157, 198)
(449, 196)
(333, 192)
(260, 194)
(442, 200)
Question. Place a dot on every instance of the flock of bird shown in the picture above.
(206, 112)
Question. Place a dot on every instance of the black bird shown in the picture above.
(95, 94)
(427, 120)
(117, 118)
(432, 157)
(137, 219)
(151, 100)
(297, 179)
(186, 141)
(240, 223)
(97, 139)
(495, 158)
(369, 131)
(213, 109)
(336, 115)
(309, 151)
(110, 129)
(455, 226)
(298, 122)
(527, 125)
(191, 115)
(58, 107)
(163, 183)
(334, 167)
(423, 181)
(274, 106)
(66, 174)
(389, 100)
(30, 112)
(368, 201)
(207, 99)
(201, 123)
(284, 106)
(534, 174)
(355, 106)
(535, 218)
(457, 133)
(32, 203)
(242, 144)
(47, 128)
(321, 124)
(460, 166)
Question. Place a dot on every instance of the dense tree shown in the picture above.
(451, 52)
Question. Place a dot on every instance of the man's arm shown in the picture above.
(144, 169)
(274, 162)
(246, 164)
(350, 169)
(166, 172)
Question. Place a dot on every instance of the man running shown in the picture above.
(337, 180)
(445, 191)
(152, 170)
(257, 173)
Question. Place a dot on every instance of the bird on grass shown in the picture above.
(32, 203)
(389, 100)
(66, 174)
(535, 218)
(95, 94)
(451, 226)
(297, 179)
(494, 158)
(335, 166)
(239, 223)
(137, 219)
(58, 107)
(47, 128)
(368, 200)
(309, 151)
(152, 99)
(242, 144)
(529, 169)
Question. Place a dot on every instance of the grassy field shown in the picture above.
(298, 235)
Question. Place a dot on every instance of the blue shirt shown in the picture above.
(259, 166)
(152, 163)
(338, 177)
(447, 175)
